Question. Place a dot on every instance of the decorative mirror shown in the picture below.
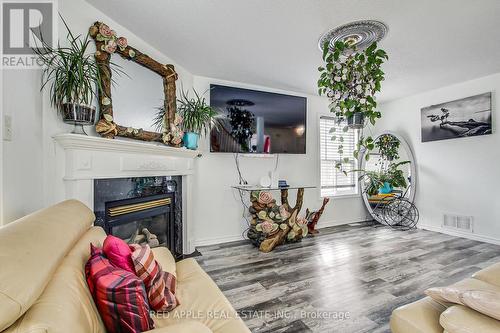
(388, 182)
(109, 126)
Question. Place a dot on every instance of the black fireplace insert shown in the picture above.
(144, 210)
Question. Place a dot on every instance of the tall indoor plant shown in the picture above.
(350, 78)
(72, 74)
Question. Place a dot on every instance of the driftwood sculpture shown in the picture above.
(107, 43)
(274, 224)
(313, 217)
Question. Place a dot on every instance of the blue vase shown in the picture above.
(190, 140)
(386, 189)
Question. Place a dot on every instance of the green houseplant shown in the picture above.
(388, 147)
(73, 77)
(392, 177)
(351, 78)
(197, 117)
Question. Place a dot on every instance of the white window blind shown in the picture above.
(333, 181)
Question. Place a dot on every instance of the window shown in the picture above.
(333, 181)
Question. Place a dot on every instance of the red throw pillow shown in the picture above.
(160, 285)
(118, 252)
(119, 295)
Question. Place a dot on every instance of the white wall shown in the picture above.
(30, 171)
(22, 157)
(32, 174)
(218, 209)
(458, 176)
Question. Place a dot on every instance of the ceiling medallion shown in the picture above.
(360, 33)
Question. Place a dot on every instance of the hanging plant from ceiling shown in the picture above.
(351, 78)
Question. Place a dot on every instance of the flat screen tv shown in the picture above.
(252, 121)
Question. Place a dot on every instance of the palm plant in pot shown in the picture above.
(197, 117)
(73, 76)
(351, 78)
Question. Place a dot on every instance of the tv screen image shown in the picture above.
(252, 121)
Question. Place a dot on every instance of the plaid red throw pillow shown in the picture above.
(119, 295)
(160, 285)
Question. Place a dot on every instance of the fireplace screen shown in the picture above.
(146, 210)
(147, 220)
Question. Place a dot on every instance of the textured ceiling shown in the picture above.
(431, 43)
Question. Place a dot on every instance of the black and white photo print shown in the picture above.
(465, 117)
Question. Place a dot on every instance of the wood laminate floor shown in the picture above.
(347, 279)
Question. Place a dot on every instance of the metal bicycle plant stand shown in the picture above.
(397, 212)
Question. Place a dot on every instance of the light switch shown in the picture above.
(7, 127)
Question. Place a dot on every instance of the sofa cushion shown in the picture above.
(66, 301)
(445, 294)
(119, 294)
(32, 248)
(421, 316)
(166, 259)
(485, 302)
(489, 274)
(201, 299)
(160, 285)
(118, 252)
(460, 319)
(452, 293)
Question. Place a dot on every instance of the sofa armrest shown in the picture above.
(188, 326)
(421, 316)
(460, 319)
(489, 274)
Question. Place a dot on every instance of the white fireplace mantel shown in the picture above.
(84, 142)
(87, 158)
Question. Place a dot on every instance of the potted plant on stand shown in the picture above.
(73, 77)
(350, 79)
(197, 117)
(384, 181)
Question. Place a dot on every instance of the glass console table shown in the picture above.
(273, 224)
(251, 188)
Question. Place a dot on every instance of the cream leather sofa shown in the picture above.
(43, 287)
(429, 316)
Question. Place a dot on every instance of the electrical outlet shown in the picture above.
(7, 127)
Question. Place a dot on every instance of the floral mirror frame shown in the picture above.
(107, 43)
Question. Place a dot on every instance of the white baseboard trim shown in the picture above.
(328, 224)
(476, 237)
(217, 240)
(234, 238)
